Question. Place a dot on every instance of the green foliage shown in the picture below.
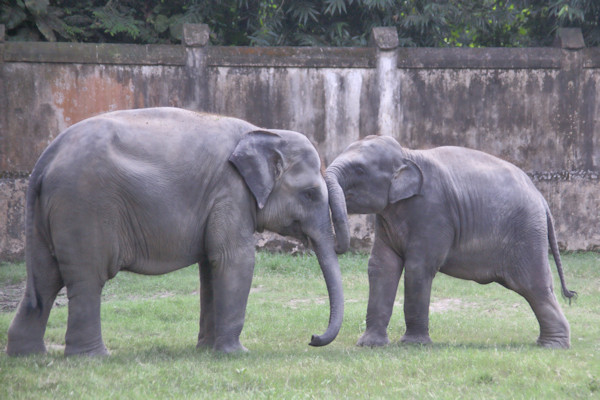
(490, 23)
(547, 16)
(433, 23)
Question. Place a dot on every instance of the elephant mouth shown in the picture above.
(295, 230)
(306, 242)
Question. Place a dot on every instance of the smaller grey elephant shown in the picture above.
(453, 210)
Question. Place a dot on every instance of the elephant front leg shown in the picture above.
(385, 269)
(417, 295)
(225, 298)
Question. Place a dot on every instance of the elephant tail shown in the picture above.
(33, 192)
(567, 294)
(33, 238)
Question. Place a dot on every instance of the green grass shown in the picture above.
(484, 342)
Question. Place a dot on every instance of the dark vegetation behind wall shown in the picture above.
(423, 23)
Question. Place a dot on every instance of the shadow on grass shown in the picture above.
(469, 346)
(175, 353)
(169, 354)
(333, 352)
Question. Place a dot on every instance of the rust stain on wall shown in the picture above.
(82, 96)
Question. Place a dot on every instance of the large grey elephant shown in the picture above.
(454, 210)
(155, 190)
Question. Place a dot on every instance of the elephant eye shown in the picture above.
(311, 194)
(359, 170)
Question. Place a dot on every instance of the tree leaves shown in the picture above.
(303, 11)
(335, 6)
(37, 7)
(115, 21)
(432, 23)
(11, 15)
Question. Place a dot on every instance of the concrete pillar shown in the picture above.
(571, 110)
(195, 35)
(569, 39)
(386, 41)
(195, 38)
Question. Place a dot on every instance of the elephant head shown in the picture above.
(374, 173)
(283, 171)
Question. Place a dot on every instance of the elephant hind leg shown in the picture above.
(84, 333)
(554, 328)
(534, 283)
(206, 335)
(26, 332)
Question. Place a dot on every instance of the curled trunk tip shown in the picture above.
(317, 341)
(333, 279)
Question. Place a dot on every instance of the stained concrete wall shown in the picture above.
(537, 108)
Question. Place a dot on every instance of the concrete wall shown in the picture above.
(537, 108)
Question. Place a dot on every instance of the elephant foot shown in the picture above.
(373, 340)
(15, 349)
(416, 339)
(205, 343)
(223, 345)
(229, 347)
(95, 351)
(554, 342)
(24, 339)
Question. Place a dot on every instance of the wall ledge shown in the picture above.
(480, 58)
(301, 57)
(286, 57)
(91, 53)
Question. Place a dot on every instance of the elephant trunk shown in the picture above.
(324, 249)
(339, 214)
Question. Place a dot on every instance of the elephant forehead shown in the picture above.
(306, 168)
(312, 158)
(305, 157)
(305, 174)
(376, 143)
(373, 148)
(362, 151)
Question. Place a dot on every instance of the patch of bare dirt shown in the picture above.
(443, 305)
(296, 303)
(11, 295)
(162, 295)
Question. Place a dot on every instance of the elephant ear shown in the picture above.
(258, 160)
(406, 182)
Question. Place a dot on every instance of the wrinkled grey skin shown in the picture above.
(155, 190)
(453, 210)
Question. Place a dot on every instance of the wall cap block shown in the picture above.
(196, 35)
(385, 38)
(569, 38)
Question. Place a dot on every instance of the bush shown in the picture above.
(432, 23)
